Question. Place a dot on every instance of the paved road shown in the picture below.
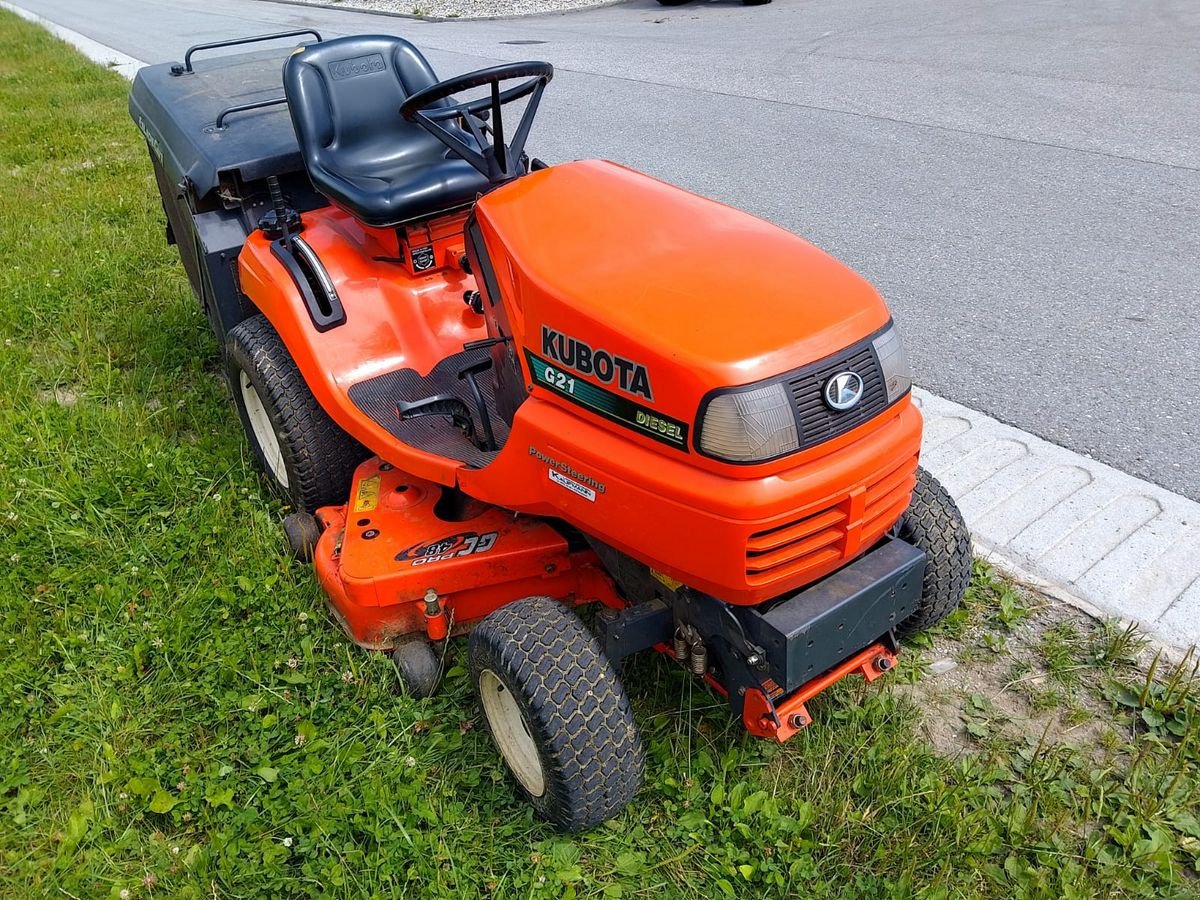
(1020, 178)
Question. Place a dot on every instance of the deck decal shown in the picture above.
(366, 498)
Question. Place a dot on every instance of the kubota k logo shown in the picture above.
(844, 390)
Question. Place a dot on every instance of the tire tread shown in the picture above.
(591, 751)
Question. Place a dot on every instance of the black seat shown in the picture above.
(344, 95)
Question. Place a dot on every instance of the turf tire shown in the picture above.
(572, 707)
(317, 458)
(934, 524)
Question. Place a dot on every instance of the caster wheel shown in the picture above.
(418, 667)
(557, 712)
(302, 532)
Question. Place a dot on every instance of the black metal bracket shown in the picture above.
(186, 68)
(634, 629)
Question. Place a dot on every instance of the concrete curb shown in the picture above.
(1077, 530)
(1126, 546)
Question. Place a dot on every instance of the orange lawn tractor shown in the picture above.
(495, 390)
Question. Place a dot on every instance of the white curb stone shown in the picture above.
(1125, 546)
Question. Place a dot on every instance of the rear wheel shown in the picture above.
(556, 711)
(934, 524)
(305, 457)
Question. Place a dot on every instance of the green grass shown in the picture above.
(180, 718)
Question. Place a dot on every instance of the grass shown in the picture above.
(179, 717)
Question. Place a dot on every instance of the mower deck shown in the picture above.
(403, 558)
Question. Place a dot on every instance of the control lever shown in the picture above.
(487, 437)
(440, 405)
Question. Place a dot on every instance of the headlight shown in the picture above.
(750, 425)
(894, 362)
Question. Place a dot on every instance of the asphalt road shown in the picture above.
(1020, 178)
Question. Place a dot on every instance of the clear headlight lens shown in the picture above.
(894, 361)
(746, 426)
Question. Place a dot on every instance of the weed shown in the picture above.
(1114, 644)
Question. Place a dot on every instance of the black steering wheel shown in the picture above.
(497, 161)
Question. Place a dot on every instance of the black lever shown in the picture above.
(488, 438)
(440, 405)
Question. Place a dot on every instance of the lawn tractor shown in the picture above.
(496, 390)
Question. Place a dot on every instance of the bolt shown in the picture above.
(551, 568)
(798, 721)
(386, 467)
(883, 664)
(370, 534)
(753, 660)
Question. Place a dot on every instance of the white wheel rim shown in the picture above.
(264, 431)
(511, 732)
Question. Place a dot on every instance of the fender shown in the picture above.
(392, 320)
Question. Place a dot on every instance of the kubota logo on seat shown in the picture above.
(573, 353)
(356, 65)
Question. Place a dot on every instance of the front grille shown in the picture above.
(816, 542)
(795, 547)
(818, 423)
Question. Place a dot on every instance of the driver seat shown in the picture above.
(344, 96)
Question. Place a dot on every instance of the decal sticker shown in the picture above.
(572, 353)
(606, 403)
(366, 498)
(666, 580)
(573, 486)
(567, 470)
(422, 258)
(465, 543)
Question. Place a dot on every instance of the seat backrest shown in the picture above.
(344, 96)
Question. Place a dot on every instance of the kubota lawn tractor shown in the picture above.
(495, 390)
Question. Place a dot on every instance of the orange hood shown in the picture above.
(699, 294)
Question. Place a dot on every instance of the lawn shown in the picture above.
(179, 717)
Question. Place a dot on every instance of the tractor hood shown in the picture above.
(660, 295)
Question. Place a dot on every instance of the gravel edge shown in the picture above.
(509, 8)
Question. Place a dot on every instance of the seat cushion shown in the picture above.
(344, 96)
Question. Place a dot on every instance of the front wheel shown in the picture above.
(304, 455)
(934, 524)
(556, 711)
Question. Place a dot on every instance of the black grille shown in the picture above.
(819, 423)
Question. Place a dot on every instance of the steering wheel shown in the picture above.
(497, 161)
